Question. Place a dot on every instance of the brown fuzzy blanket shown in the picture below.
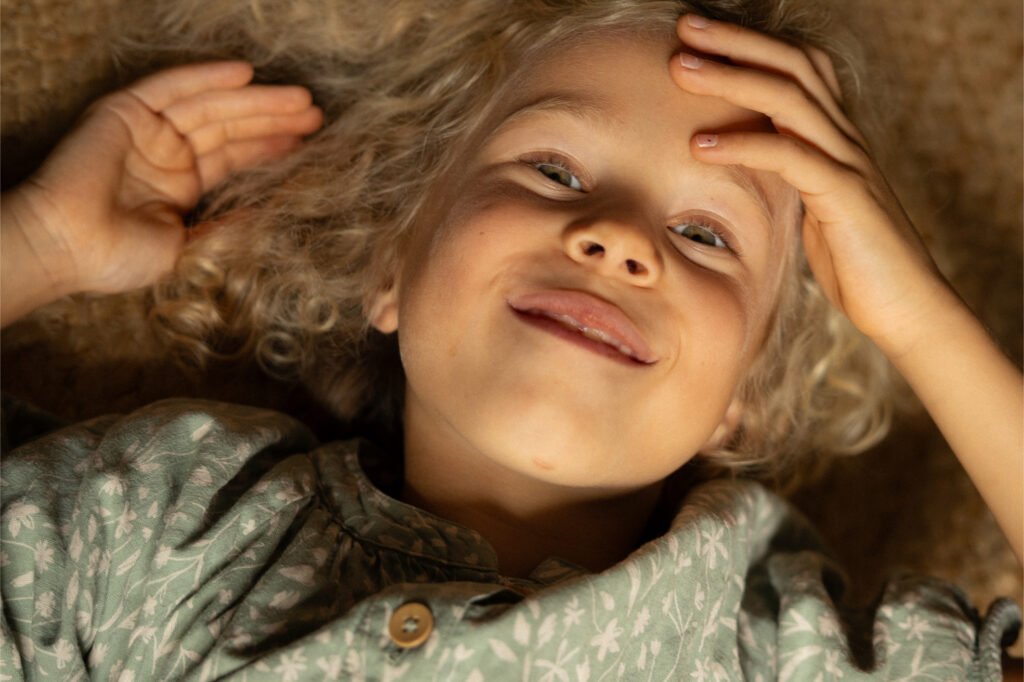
(952, 77)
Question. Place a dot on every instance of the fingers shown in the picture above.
(219, 123)
(218, 134)
(823, 65)
(808, 69)
(235, 156)
(781, 99)
(824, 185)
(162, 89)
(201, 109)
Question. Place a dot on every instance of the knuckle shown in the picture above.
(851, 178)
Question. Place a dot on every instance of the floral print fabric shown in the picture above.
(199, 540)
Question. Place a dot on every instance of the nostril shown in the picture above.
(592, 249)
(634, 267)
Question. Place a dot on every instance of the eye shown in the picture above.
(702, 234)
(558, 173)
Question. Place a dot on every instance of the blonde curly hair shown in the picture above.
(303, 245)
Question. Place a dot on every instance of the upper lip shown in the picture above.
(587, 313)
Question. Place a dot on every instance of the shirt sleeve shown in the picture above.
(91, 515)
(795, 621)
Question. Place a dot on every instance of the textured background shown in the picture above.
(951, 79)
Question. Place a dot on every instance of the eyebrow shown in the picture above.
(747, 181)
(597, 110)
(588, 107)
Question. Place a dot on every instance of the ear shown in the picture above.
(383, 313)
(725, 430)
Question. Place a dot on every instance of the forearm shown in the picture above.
(34, 268)
(976, 397)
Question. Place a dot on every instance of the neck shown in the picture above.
(524, 519)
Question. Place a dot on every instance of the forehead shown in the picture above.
(619, 87)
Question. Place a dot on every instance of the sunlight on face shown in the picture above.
(593, 295)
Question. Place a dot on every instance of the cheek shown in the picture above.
(451, 284)
(715, 320)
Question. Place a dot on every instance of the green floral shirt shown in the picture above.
(201, 540)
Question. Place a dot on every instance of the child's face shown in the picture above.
(489, 374)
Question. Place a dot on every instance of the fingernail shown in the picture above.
(690, 61)
(697, 21)
(705, 140)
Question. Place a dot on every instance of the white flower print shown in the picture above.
(98, 653)
(20, 514)
(572, 613)
(114, 486)
(547, 629)
(607, 640)
(124, 523)
(640, 624)
(45, 603)
(556, 669)
(713, 545)
(916, 627)
(285, 599)
(331, 667)
(291, 666)
(502, 650)
(583, 671)
(201, 477)
(702, 672)
(149, 607)
(43, 555)
(289, 492)
(24, 580)
(162, 555)
(521, 630)
(666, 602)
(64, 651)
(832, 664)
(304, 575)
(641, 661)
(828, 626)
(28, 650)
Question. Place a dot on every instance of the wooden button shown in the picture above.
(411, 624)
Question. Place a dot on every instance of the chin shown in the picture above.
(557, 452)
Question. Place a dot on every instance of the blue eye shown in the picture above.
(702, 234)
(560, 174)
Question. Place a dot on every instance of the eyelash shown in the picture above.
(710, 227)
(562, 163)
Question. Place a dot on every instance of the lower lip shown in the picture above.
(562, 332)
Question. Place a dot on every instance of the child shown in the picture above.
(585, 224)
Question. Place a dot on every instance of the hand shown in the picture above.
(104, 212)
(860, 245)
(863, 250)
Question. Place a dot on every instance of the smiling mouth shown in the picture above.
(587, 321)
(597, 335)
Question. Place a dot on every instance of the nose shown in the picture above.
(614, 249)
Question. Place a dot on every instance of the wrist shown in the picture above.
(34, 237)
(35, 263)
(937, 314)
